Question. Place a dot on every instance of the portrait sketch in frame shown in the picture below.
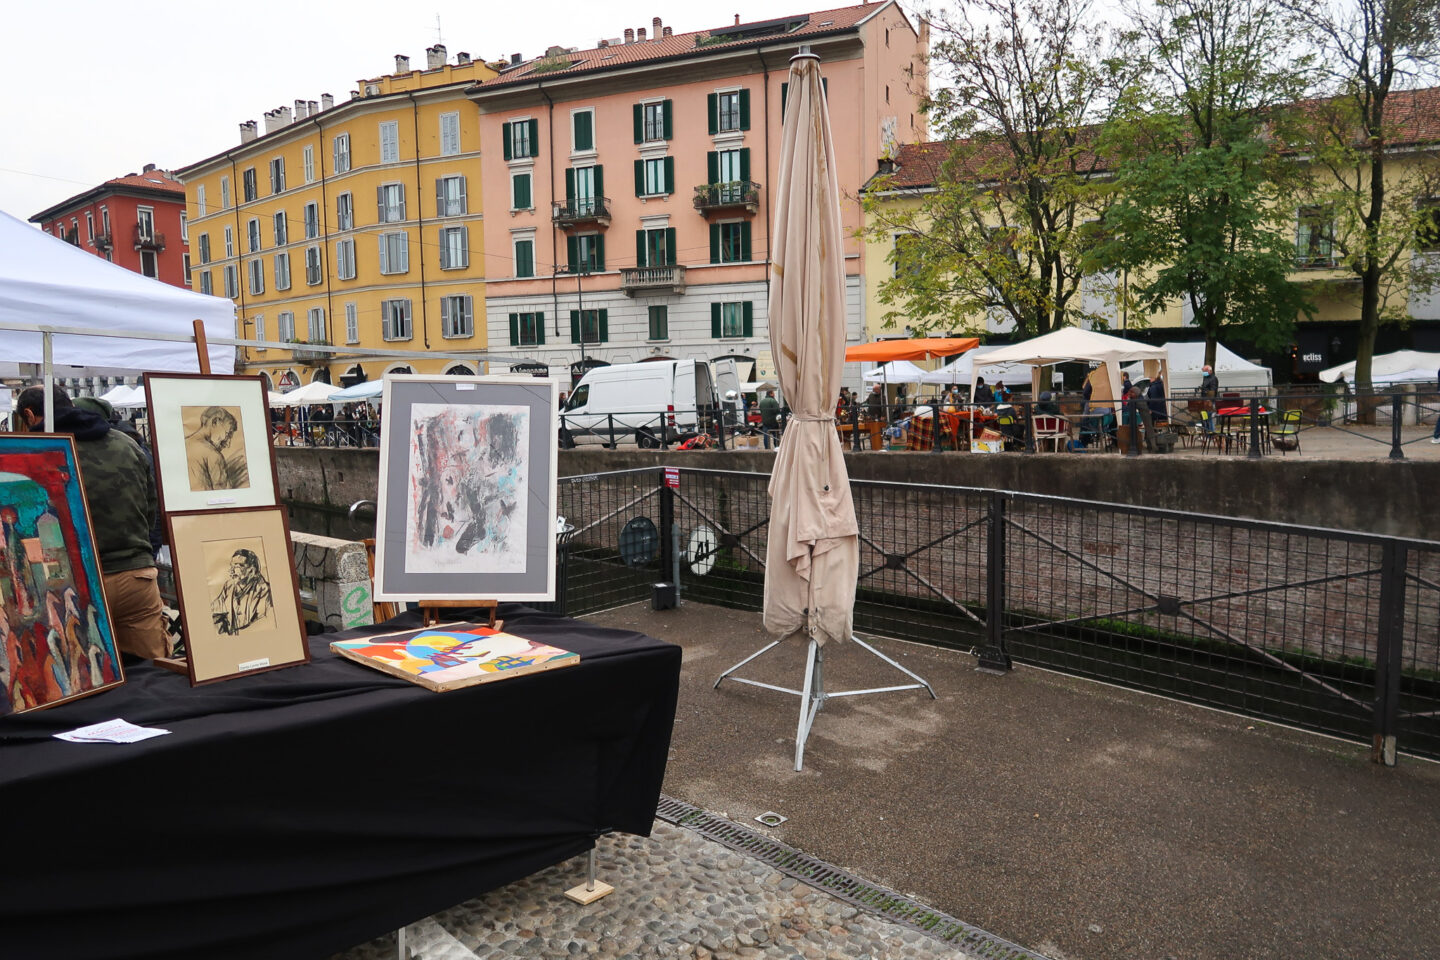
(56, 639)
(238, 593)
(466, 507)
(211, 437)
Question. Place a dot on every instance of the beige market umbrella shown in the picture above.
(812, 555)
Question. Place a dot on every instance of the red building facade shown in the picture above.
(136, 221)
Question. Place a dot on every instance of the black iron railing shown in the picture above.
(580, 210)
(728, 195)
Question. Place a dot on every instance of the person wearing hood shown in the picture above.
(120, 490)
(117, 423)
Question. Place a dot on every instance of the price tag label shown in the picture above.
(672, 477)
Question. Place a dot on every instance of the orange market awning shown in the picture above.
(920, 348)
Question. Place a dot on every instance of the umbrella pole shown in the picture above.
(812, 698)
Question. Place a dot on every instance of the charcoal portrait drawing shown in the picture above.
(215, 448)
(469, 488)
(240, 595)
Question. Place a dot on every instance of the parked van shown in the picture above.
(653, 402)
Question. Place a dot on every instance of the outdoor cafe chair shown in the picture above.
(1286, 435)
(1210, 436)
(1050, 429)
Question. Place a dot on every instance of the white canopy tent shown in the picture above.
(314, 392)
(1402, 366)
(895, 371)
(361, 391)
(962, 370)
(1074, 344)
(1186, 359)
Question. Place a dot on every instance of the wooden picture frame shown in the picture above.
(468, 478)
(238, 592)
(212, 442)
(57, 642)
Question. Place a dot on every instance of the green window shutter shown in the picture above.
(745, 109)
(540, 328)
(599, 180)
(748, 318)
(569, 183)
(714, 243)
(574, 326)
(667, 120)
(745, 241)
(669, 174)
(744, 163)
(521, 200)
(534, 138)
(604, 325)
(715, 320)
(784, 93)
(712, 102)
(712, 166)
(514, 329)
(640, 248)
(639, 178)
(572, 251)
(599, 252)
(639, 114)
(505, 139)
(584, 131)
(671, 254)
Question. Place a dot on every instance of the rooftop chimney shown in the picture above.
(629, 34)
(737, 19)
(667, 31)
(148, 168)
(462, 58)
(640, 35)
(273, 120)
(326, 102)
(514, 59)
(301, 110)
(601, 45)
(247, 131)
(655, 24)
(402, 63)
(435, 57)
(282, 116)
(311, 108)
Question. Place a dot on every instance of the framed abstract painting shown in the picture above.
(238, 593)
(466, 508)
(212, 441)
(58, 643)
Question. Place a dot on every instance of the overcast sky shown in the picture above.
(99, 89)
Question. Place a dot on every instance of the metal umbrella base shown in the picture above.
(814, 694)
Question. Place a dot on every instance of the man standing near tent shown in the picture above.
(121, 494)
(1209, 384)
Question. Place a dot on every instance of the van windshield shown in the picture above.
(578, 398)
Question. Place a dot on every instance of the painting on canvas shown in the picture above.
(444, 659)
(57, 638)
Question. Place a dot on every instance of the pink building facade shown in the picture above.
(627, 187)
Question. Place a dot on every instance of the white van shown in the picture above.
(653, 402)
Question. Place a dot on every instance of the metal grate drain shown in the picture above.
(841, 884)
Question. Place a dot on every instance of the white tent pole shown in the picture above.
(47, 370)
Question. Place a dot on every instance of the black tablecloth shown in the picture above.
(298, 812)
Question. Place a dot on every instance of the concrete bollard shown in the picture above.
(334, 581)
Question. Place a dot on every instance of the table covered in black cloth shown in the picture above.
(298, 812)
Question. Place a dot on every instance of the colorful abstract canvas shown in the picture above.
(57, 639)
(445, 659)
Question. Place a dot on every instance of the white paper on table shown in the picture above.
(111, 731)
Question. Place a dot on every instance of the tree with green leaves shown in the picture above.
(1203, 189)
(1371, 182)
(1001, 232)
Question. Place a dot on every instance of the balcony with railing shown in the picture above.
(104, 241)
(730, 196)
(304, 355)
(147, 239)
(639, 281)
(581, 212)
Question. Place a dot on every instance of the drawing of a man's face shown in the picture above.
(218, 426)
(244, 565)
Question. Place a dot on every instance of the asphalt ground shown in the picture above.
(1084, 821)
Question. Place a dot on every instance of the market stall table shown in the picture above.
(295, 813)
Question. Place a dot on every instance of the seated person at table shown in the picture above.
(1002, 392)
(1047, 407)
(983, 394)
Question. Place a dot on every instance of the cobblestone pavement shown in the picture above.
(677, 895)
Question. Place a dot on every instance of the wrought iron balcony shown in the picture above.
(104, 241)
(635, 281)
(581, 212)
(302, 355)
(148, 239)
(735, 194)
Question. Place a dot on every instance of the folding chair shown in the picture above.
(1286, 436)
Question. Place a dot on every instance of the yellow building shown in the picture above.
(354, 225)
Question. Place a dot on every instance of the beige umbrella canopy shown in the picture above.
(812, 557)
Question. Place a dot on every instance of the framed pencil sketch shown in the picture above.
(466, 507)
(238, 593)
(58, 643)
(212, 441)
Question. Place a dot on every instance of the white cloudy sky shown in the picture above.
(98, 89)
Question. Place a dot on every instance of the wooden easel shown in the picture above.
(430, 611)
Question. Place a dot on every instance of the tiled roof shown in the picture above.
(683, 45)
(154, 180)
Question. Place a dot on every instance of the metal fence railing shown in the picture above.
(1326, 630)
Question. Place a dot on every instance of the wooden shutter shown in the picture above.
(445, 316)
(748, 318)
(784, 94)
(712, 103)
(402, 200)
(440, 196)
(667, 120)
(745, 109)
(714, 243)
(744, 163)
(715, 327)
(669, 174)
(572, 252)
(379, 205)
(384, 255)
(671, 254)
(639, 178)
(534, 138)
(639, 115)
(599, 181)
(464, 202)
(540, 328)
(505, 139)
(469, 323)
(583, 134)
(599, 252)
(712, 166)
(640, 249)
(604, 325)
(745, 241)
(574, 326)
(570, 183)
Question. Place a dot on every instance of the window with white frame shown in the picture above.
(248, 188)
(341, 145)
(309, 163)
(520, 193)
(206, 283)
(313, 272)
(200, 207)
(256, 269)
(259, 321)
(395, 252)
(524, 256)
(582, 131)
(224, 193)
(732, 320)
(286, 323)
(449, 134)
(345, 258)
(232, 281)
(450, 198)
(345, 212)
(527, 329)
(655, 184)
(146, 217)
(352, 322)
(282, 271)
(185, 267)
(105, 221)
(252, 235)
(90, 226)
(395, 319)
(456, 316)
(312, 220)
(204, 248)
(150, 264)
(184, 227)
(654, 121)
(519, 140)
(659, 317)
(1314, 237)
(277, 175)
(454, 248)
(390, 141)
(315, 324)
(229, 242)
(281, 230)
(390, 201)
